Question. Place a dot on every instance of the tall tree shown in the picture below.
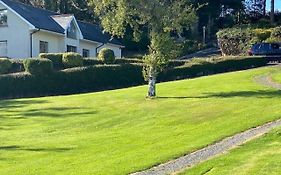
(161, 18)
(272, 11)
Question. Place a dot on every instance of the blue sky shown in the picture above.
(277, 4)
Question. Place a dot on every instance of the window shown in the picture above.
(3, 17)
(86, 53)
(72, 31)
(44, 47)
(3, 49)
(71, 48)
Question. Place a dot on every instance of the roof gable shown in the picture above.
(54, 22)
(38, 17)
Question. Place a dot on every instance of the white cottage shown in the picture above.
(27, 31)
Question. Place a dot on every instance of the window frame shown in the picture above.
(46, 47)
(71, 31)
(86, 53)
(70, 48)
(6, 22)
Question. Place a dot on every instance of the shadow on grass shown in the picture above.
(10, 104)
(243, 94)
(19, 148)
(60, 112)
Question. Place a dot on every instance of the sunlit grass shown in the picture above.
(118, 132)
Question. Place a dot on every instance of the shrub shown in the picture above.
(5, 65)
(56, 58)
(38, 66)
(103, 77)
(17, 66)
(71, 59)
(202, 66)
(107, 56)
(69, 81)
(91, 61)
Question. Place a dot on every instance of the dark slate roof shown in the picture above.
(42, 19)
(93, 32)
(38, 17)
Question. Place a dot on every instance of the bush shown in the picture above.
(56, 58)
(71, 59)
(104, 77)
(17, 66)
(91, 61)
(107, 56)
(69, 81)
(38, 66)
(5, 65)
(202, 66)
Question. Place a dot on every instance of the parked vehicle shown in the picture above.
(265, 49)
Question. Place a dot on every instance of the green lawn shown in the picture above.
(118, 132)
(259, 157)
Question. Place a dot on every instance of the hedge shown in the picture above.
(5, 65)
(104, 77)
(56, 58)
(200, 67)
(69, 81)
(38, 66)
(72, 59)
(107, 56)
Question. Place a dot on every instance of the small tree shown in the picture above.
(161, 17)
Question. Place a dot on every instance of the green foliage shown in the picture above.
(102, 77)
(202, 66)
(107, 56)
(120, 127)
(69, 81)
(236, 41)
(38, 66)
(71, 59)
(17, 66)
(56, 58)
(91, 61)
(5, 65)
(162, 49)
(161, 18)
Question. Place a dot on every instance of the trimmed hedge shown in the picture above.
(17, 66)
(69, 81)
(104, 77)
(5, 65)
(56, 58)
(38, 66)
(200, 67)
(91, 61)
(72, 59)
(107, 56)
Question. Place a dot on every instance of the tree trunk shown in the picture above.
(272, 12)
(152, 84)
(264, 8)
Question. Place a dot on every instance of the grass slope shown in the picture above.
(259, 157)
(118, 132)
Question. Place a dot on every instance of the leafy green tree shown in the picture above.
(161, 18)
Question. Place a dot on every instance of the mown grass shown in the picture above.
(118, 132)
(259, 157)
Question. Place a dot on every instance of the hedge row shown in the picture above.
(69, 81)
(104, 77)
(200, 67)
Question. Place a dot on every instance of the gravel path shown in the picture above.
(221, 147)
(267, 81)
